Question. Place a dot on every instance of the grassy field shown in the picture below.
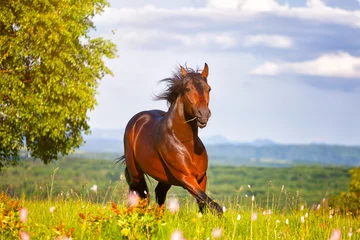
(87, 199)
(81, 218)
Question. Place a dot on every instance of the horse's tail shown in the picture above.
(120, 159)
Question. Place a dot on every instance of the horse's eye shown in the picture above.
(209, 89)
(187, 89)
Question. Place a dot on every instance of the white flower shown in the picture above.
(302, 219)
(177, 235)
(287, 221)
(252, 198)
(302, 207)
(216, 233)
(133, 199)
(269, 212)
(318, 207)
(238, 217)
(52, 209)
(249, 186)
(277, 221)
(23, 214)
(335, 235)
(306, 215)
(199, 215)
(224, 209)
(94, 188)
(24, 235)
(254, 217)
(173, 205)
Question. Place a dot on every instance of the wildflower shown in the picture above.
(94, 188)
(331, 216)
(52, 209)
(277, 221)
(252, 198)
(173, 205)
(302, 219)
(249, 186)
(350, 233)
(216, 233)
(254, 217)
(264, 213)
(224, 209)
(238, 217)
(302, 207)
(269, 212)
(133, 199)
(306, 215)
(24, 235)
(246, 195)
(23, 213)
(335, 235)
(177, 235)
(287, 221)
(199, 215)
(318, 207)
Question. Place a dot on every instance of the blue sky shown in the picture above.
(284, 70)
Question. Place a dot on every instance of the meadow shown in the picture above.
(87, 199)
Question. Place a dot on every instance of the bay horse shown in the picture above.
(166, 146)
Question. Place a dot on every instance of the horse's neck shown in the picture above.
(184, 131)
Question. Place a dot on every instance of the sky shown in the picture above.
(286, 70)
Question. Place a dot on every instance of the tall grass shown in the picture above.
(94, 213)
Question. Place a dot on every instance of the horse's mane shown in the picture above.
(175, 84)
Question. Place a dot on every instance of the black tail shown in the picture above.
(120, 159)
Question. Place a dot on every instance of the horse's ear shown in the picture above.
(183, 71)
(205, 72)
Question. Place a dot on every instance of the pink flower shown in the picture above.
(133, 199)
(335, 235)
(24, 235)
(216, 233)
(23, 213)
(173, 205)
(254, 217)
(177, 235)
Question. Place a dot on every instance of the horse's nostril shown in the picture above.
(200, 113)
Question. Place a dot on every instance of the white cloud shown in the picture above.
(229, 10)
(248, 5)
(275, 41)
(340, 64)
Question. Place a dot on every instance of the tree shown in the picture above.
(50, 68)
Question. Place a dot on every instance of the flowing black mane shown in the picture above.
(175, 84)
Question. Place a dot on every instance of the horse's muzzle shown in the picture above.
(202, 117)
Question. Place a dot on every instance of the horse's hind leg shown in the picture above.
(137, 183)
(160, 192)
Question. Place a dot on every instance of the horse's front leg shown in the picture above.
(190, 183)
(202, 185)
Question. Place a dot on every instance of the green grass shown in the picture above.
(101, 222)
(81, 213)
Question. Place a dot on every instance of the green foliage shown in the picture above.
(49, 72)
(86, 220)
(349, 202)
(302, 184)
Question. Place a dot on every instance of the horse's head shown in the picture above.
(196, 95)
